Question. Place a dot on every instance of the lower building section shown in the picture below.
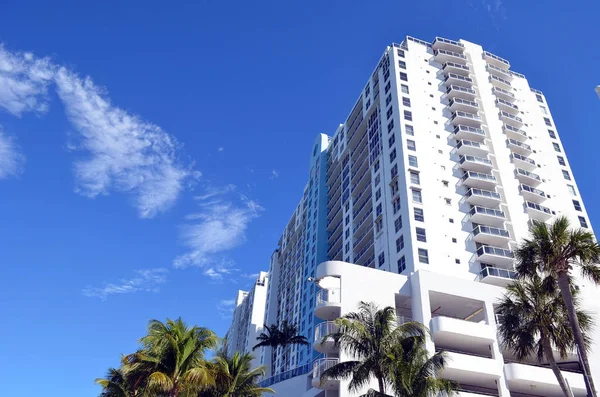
(458, 312)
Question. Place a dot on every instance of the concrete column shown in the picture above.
(420, 305)
(490, 318)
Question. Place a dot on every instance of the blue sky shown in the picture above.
(151, 152)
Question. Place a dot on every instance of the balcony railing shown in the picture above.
(324, 329)
(500, 101)
(326, 296)
(449, 53)
(492, 68)
(473, 159)
(496, 79)
(440, 41)
(496, 272)
(466, 128)
(488, 249)
(489, 56)
(460, 89)
(517, 156)
(466, 102)
(452, 76)
(538, 207)
(502, 91)
(487, 211)
(450, 65)
(491, 230)
(531, 190)
(466, 115)
(528, 174)
(323, 364)
(519, 144)
(478, 175)
(511, 116)
(482, 193)
(292, 373)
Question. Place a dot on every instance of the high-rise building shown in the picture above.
(248, 318)
(439, 170)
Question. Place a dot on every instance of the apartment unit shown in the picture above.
(417, 201)
(248, 318)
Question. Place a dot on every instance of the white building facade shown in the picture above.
(443, 163)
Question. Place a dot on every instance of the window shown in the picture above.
(403, 76)
(406, 101)
(412, 161)
(416, 196)
(402, 64)
(543, 109)
(381, 259)
(377, 179)
(577, 205)
(423, 256)
(572, 190)
(393, 155)
(376, 166)
(387, 87)
(421, 236)
(419, 216)
(409, 130)
(398, 224)
(448, 201)
(400, 243)
(386, 75)
(582, 221)
(390, 126)
(457, 261)
(347, 233)
(552, 134)
(407, 115)
(396, 204)
(411, 145)
(347, 220)
(547, 121)
(404, 88)
(566, 175)
(400, 52)
(561, 160)
(454, 240)
(378, 210)
(414, 178)
(391, 141)
(394, 187)
(347, 249)
(539, 98)
(378, 194)
(556, 147)
(401, 264)
(440, 151)
(388, 99)
(389, 113)
(451, 220)
(394, 170)
(445, 183)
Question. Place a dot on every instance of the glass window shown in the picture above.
(391, 141)
(388, 99)
(400, 52)
(400, 243)
(403, 76)
(378, 210)
(407, 115)
(561, 160)
(390, 126)
(411, 145)
(393, 155)
(414, 178)
(394, 170)
(547, 121)
(582, 221)
(404, 88)
(543, 109)
(539, 98)
(409, 130)
(387, 87)
(416, 196)
(572, 190)
(381, 259)
(423, 256)
(377, 179)
(412, 161)
(389, 113)
(552, 134)
(401, 264)
(396, 204)
(556, 147)
(406, 101)
(566, 175)
(577, 205)
(402, 64)
(421, 236)
(378, 194)
(419, 216)
(398, 224)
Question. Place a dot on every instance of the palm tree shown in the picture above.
(115, 384)
(234, 378)
(369, 335)
(555, 250)
(171, 361)
(532, 321)
(274, 337)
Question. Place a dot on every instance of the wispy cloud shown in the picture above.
(146, 280)
(220, 149)
(11, 159)
(274, 174)
(121, 152)
(225, 308)
(219, 226)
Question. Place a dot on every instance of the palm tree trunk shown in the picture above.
(273, 348)
(381, 385)
(565, 291)
(550, 357)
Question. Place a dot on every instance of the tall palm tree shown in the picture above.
(533, 321)
(114, 384)
(555, 250)
(171, 359)
(235, 378)
(279, 336)
(368, 336)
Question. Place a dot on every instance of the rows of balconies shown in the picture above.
(532, 194)
(463, 104)
(537, 211)
(445, 44)
(457, 91)
(465, 146)
(443, 56)
(457, 79)
(504, 94)
(467, 132)
(473, 163)
(500, 82)
(458, 68)
(490, 235)
(527, 177)
(514, 132)
(479, 180)
(482, 197)
(487, 216)
(507, 106)
(519, 147)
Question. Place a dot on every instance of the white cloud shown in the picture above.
(123, 152)
(219, 226)
(274, 174)
(251, 276)
(225, 307)
(211, 191)
(221, 149)
(147, 280)
(11, 159)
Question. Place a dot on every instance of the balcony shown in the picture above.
(457, 79)
(504, 94)
(465, 147)
(479, 180)
(456, 91)
(444, 44)
(443, 56)
(502, 73)
(496, 60)
(449, 331)
(496, 276)
(523, 162)
(514, 133)
(484, 198)
(465, 118)
(487, 216)
(511, 119)
(500, 82)
(320, 366)
(495, 255)
(519, 147)
(528, 178)
(471, 369)
(491, 235)
(538, 212)
(532, 194)
(467, 132)
(472, 163)
(505, 105)
(323, 343)
(451, 67)
(463, 104)
(328, 304)
(523, 378)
